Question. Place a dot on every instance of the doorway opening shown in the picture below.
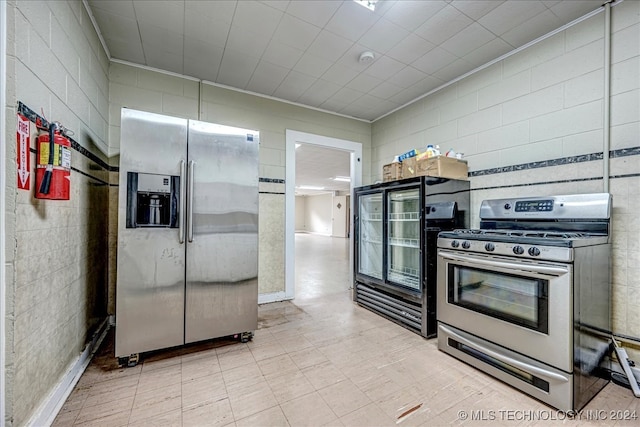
(322, 231)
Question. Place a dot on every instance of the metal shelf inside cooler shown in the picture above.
(372, 217)
(404, 216)
(407, 243)
(404, 276)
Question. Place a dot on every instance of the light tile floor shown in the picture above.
(320, 361)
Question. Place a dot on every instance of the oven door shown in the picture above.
(519, 304)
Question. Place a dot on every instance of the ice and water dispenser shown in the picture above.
(152, 200)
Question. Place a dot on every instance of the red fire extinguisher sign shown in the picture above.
(53, 171)
(23, 154)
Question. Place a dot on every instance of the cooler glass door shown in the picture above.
(403, 238)
(370, 235)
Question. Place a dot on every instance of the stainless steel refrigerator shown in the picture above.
(187, 233)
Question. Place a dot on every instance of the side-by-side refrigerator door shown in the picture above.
(151, 248)
(222, 232)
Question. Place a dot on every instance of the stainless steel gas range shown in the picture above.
(526, 298)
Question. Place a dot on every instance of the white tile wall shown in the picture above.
(544, 103)
(57, 264)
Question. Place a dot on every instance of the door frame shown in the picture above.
(3, 161)
(294, 137)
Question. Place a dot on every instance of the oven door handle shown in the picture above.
(542, 269)
(543, 373)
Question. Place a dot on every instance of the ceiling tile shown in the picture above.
(312, 65)
(570, 10)
(120, 28)
(446, 23)
(219, 10)
(345, 96)
(121, 8)
(417, 90)
(410, 48)
(475, 9)
(407, 77)
(412, 14)
(295, 32)
(385, 90)
(165, 14)
(384, 67)
(294, 85)
(127, 51)
(535, 27)
(201, 60)
(510, 15)
(453, 70)
(467, 40)
(257, 17)
(281, 54)
(351, 20)
(383, 35)
(488, 52)
(243, 40)
(277, 4)
(202, 27)
(316, 12)
(364, 83)
(434, 60)
(160, 38)
(318, 92)
(350, 58)
(163, 59)
(266, 78)
(329, 46)
(236, 68)
(339, 74)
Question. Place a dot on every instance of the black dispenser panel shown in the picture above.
(152, 200)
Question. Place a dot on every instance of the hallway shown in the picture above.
(322, 266)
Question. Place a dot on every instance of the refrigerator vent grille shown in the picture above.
(406, 313)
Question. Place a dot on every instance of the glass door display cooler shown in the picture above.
(396, 226)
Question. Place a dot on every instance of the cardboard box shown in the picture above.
(392, 172)
(440, 166)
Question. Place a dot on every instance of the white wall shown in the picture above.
(56, 260)
(339, 216)
(301, 209)
(532, 124)
(318, 213)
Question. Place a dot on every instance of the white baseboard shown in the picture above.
(48, 410)
(273, 297)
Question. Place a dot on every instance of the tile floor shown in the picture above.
(320, 360)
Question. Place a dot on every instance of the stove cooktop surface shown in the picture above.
(529, 237)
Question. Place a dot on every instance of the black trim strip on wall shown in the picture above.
(624, 152)
(272, 180)
(42, 123)
(102, 182)
(270, 192)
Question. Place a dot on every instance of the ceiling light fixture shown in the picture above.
(369, 4)
(366, 57)
(342, 178)
(310, 187)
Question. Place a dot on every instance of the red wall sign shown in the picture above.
(24, 156)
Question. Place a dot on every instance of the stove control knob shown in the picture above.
(455, 244)
(518, 250)
(507, 206)
(533, 251)
(489, 247)
(466, 245)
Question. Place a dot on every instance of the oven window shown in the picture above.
(517, 299)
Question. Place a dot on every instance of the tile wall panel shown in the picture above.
(57, 264)
(549, 137)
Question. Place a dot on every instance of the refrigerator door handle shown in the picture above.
(181, 217)
(192, 166)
